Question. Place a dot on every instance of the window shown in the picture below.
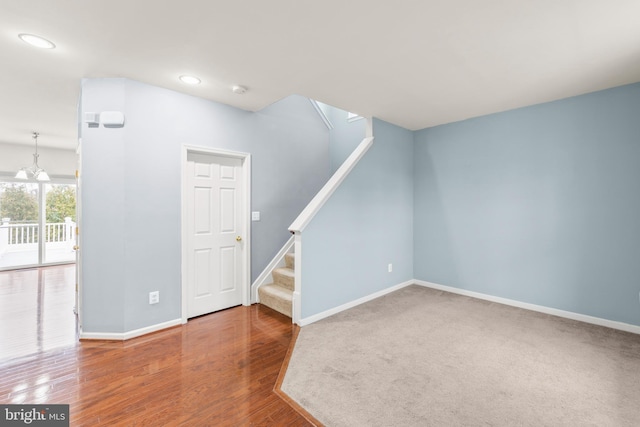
(37, 223)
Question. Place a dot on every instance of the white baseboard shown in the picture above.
(533, 307)
(265, 276)
(123, 336)
(311, 319)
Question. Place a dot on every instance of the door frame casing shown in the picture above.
(77, 233)
(245, 210)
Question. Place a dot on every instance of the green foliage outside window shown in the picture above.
(18, 204)
(61, 203)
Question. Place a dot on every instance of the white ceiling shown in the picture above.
(413, 63)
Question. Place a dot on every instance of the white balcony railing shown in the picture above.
(15, 237)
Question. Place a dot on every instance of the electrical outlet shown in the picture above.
(390, 268)
(154, 297)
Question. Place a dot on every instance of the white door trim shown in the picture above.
(76, 232)
(246, 218)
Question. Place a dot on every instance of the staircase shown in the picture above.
(279, 294)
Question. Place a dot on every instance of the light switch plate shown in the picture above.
(255, 216)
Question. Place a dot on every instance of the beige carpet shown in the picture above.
(421, 357)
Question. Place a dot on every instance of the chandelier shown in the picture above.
(33, 171)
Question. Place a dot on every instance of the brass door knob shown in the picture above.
(76, 247)
(238, 239)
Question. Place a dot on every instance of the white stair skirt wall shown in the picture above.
(321, 113)
(533, 307)
(265, 277)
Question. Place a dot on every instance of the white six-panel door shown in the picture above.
(214, 233)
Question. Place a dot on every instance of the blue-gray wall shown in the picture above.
(365, 225)
(538, 204)
(131, 190)
(102, 225)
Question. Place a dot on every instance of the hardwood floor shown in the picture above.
(36, 310)
(217, 370)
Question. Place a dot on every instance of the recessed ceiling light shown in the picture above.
(36, 41)
(190, 80)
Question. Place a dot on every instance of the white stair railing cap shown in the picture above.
(334, 182)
